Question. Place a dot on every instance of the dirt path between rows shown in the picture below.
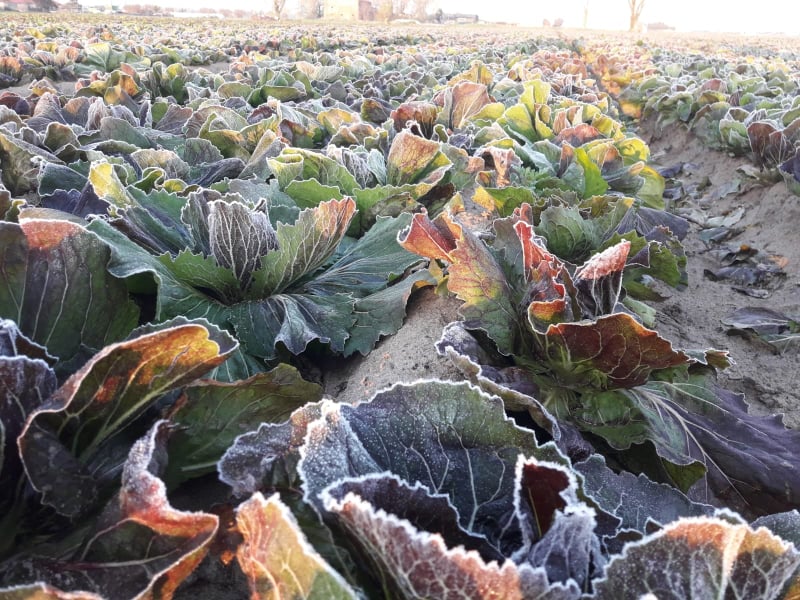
(689, 318)
(693, 318)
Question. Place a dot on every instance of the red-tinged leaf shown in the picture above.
(418, 564)
(541, 488)
(578, 135)
(42, 591)
(55, 285)
(609, 261)
(462, 101)
(413, 159)
(544, 274)
(599, 280)
(504, 161)
(559, 529)
(614, 351)
(534, 253)
(278, 560)
(706, 558)
(66, 443)
(434, 239)
(140, 547)
(422, 113)
(478, 279)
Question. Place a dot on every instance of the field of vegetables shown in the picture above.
(317, 311)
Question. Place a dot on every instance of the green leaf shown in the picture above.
(369, 264)
(301, 164)
(569, 236)
(382, 313)
(108, 186)
(21, 163)
(639, 502)
(294, 320)
(277, 559)
(174, 297)
(55, 284)
(302, 247)
(211, 414)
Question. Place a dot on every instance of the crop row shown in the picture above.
(180, 239)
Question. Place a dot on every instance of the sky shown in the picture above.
(684, 15)
(781, 16)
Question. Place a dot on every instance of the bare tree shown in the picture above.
(421, 9)
(44, 5)
(309, 9)
(277, 7)
(636, 7)
(400, 8)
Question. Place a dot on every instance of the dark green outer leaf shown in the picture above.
(512, 384)
(266, 458)
(294, 320)
(62, 438)
(211, 414)
(750, 460)
(54, 283)
(450, 437)
(174, 297)
(382, 313)
(20, 162)
(639, 502)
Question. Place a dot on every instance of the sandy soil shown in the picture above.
(690, 318)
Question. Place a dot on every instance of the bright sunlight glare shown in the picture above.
(770, 16)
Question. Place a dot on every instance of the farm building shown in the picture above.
(344, 10)
(17, 5)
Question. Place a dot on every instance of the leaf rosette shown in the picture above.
(558, 342)
(277, 286)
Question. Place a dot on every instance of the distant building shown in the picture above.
(17, 5)
(366, 10)
(340, 10)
